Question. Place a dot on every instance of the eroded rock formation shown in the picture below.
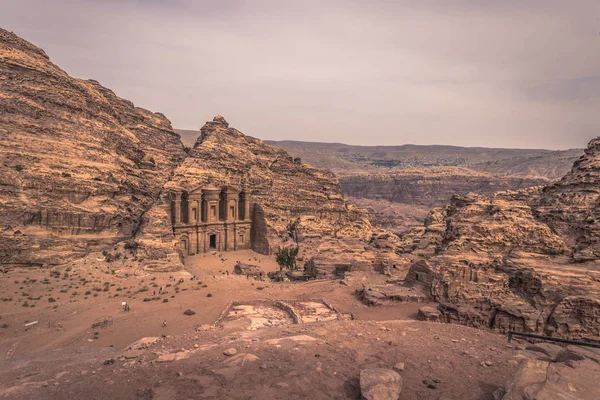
(522, 260)
(80, 166)
(292, 203)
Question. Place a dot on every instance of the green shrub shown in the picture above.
(286, 258)
(189, 312)
(19, 168)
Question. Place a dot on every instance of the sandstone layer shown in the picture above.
(432, 186)
(518, 260)
(80, 166)
(292, 202)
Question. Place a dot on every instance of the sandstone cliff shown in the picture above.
(292, 202)
(571, 206)
(524, 260)
(433, 186)
(80, 166)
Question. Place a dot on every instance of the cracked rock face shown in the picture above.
(80, 166)
(519, 260)
(571, 206)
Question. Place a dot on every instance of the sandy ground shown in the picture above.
(321, 360)
(62, 356)
(90, 292)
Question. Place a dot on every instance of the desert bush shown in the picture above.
(286, 258)
(310, 269)
(189, 312)
(131, 244)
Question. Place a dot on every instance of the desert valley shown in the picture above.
(139, 261)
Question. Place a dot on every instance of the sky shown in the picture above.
(510, 73)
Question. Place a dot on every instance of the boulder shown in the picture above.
(550, 350)
(241, 268)
(527, 381)
(429, 314)
(380, 384)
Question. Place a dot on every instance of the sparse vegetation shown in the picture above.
(189, 312)
(19, 168)
(131, 245)
(310, 269)
(286, 258)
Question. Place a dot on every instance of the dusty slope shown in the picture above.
(79, 165)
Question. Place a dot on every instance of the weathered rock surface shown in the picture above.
(542, 378)
(292, 203)
(514, 260)
(241, 268)
(80, 166)
(380, 384)
(571, 207)
(429, 186)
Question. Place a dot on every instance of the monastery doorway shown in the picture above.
(213, 241)
(184, 246)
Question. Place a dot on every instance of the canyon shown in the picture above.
(423, 256)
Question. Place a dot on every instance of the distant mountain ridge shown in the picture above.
(344, 159)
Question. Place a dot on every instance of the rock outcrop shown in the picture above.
(80, 166)
(292, 202)
(430, 186)
(518, 260)
(571, 206)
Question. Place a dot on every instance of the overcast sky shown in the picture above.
(510, 73)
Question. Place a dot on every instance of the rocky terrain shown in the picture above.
(80, 166)
(429, 187)
(85, 170)
(424, 176)
(518, 260)
(84, 227)
(293, 202)
(345, 159)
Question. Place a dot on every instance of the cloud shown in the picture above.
(464, 72)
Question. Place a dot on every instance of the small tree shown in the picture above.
(286, 258)
(310, 269)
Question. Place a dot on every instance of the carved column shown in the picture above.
(177, 208)
(246, 205)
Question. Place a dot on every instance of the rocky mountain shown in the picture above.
(293, 202)
(518, 260)
(431, 186)
(80, 166)
(85, 170)
(430, 175)
(346, 160)
(425, 176)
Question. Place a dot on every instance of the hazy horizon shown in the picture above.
(515, 74)
(388, 145)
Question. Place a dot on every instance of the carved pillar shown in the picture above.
(177, 208)
(246, 205)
